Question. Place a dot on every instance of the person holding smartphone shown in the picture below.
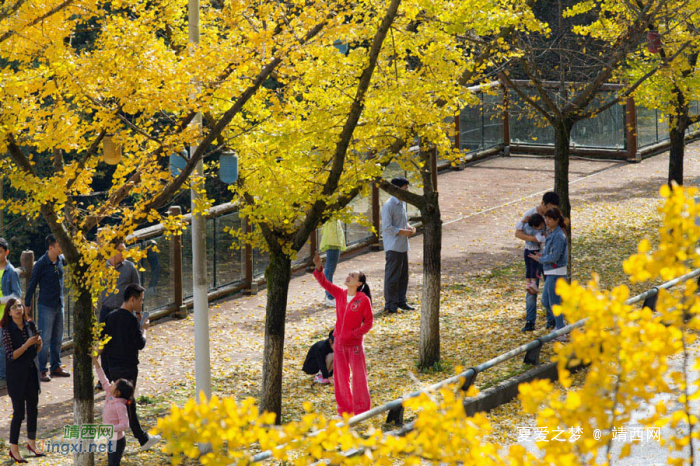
(22, 343)
(122, 351)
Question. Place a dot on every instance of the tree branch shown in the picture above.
(92, 150)
(37, 20)
(401, 194)
(525, 97)
(331, 184)
(632, 88)
(59, 230)
(170, 189)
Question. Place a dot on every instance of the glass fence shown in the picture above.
(605, 131)
(481, 126)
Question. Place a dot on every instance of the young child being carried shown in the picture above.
(118, 395)
(534, 227)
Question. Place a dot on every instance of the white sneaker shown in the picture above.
(330, 302)
(152, 440)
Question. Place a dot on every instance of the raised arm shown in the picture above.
(100, 374)
(334, 290)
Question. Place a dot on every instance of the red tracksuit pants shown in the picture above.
(347, 358)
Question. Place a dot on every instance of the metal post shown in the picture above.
(631, 131)
(2, 212)
(202, 365)
(506, 121)
(457, 141)
(376, 221)
(215, 245)
(250, 288)
(313, 246)
(176, 266)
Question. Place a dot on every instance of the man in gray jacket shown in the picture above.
(113, 300)
(395, 234)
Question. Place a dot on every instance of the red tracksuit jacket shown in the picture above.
(353, 319)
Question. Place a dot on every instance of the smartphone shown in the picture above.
(144, 317)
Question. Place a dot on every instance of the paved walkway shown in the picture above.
(479, 204)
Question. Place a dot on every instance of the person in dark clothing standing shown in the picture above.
(22, 343)
(395, 234)
(319, 360)
(48, 274)
(122, 351)
(112, 300)
(10, 287)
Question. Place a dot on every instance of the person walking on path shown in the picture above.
(332, 243)
(10, 287)
(48, 274)
(118, 396)
(395, 234)
(554, 259)
(549, 199)
(112, 300)
(22, 344)
(353, 311)
(122, 351)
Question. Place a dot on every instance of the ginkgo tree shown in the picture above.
(561, 75)
(77, 74)
(637, 362)
(309, 147)
(674, 87)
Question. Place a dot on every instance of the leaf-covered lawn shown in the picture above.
(481, 316)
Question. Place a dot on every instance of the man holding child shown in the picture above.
(531, 228)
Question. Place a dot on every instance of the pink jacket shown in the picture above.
(114, 411)
(353, 319)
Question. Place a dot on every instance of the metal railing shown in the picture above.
(466, 378)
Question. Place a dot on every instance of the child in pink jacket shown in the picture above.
(117, 396)
(353, 311)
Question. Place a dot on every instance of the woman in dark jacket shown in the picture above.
(22, 345)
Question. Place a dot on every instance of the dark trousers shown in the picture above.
(395, 279)
(103, 359)
(29, 401)
(114, 458)
(131, 374)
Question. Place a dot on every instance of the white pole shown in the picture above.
(202, 370)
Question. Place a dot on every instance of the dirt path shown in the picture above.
(479, 205)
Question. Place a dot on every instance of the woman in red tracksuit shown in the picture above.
(353, 311)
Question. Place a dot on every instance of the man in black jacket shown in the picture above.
(122, 351)
(319, 360)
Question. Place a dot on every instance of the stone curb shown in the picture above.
(507, 390)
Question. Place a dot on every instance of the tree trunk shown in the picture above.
(430, 304)
(278, 274)
(678, 125)
(83, 391)
(562, 139)
(562, 135)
